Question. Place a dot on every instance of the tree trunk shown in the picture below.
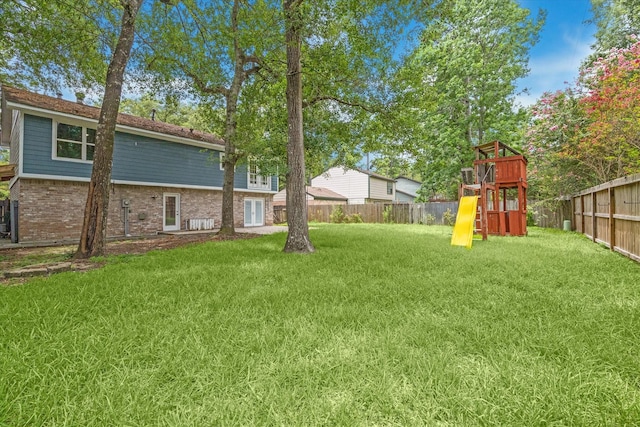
(227, 227)
(230, 157)
(298, 236)
(94, 226)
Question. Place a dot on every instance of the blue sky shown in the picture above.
(565, 41)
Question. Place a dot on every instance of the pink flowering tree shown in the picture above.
(590, 133)
(557, 120)
(612, 106)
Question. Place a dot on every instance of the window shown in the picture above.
(74, 142)
(389, 187)
(221, 160)
(255, 180)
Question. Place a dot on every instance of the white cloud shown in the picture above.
(556, 66)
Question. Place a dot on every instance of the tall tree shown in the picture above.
(616, 21)
(298, 235)
(52, 43)
(94, 226)
(613, 100)
(217, 46)
(339, 57)
(557, 125)
(463, 74)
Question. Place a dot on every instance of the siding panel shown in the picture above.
(135, 158)
(142, 159)
(379, 190)
(38, 132)
(16, 129)
(352, 184)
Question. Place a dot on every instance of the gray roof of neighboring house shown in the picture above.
(406, 194)
(24, 97)
(375, 175)
(324, 194)
(408, 179)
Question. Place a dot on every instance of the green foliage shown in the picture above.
(448, 218)
(456, 89)
(531, 222)
(587, 134)
(55, 43)
(355, 218)
(387, 214)
(337, 215)
(172, 109)
(429, 219)
(616, 20)
(384, 325)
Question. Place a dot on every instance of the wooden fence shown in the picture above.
(401, 213)
(550, 214)
(610, 214)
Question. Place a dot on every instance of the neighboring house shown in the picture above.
(315, 196)
(164, 177)
(357, 185)
(406, 189)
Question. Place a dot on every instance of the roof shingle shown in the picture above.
(24, 97)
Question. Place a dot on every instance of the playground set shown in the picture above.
(493, 195)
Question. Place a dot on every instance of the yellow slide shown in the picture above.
(465, 222)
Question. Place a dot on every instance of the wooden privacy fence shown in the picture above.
(610, 214)
(550, 214)
(401, 213)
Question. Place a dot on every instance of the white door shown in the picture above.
(253, 212)
(171, 212)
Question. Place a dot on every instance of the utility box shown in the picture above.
(126, 203)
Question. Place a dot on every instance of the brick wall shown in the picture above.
(53, 210)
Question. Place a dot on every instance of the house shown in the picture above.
(357, 185)
(406, 189)
(164, 177)
(314, 195)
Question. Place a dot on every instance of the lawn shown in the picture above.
(384, 325)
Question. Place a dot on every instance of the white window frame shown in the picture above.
(84, 144)
(389, 188)
(176, 226)
(255, 180)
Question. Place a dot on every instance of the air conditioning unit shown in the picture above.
(200, 224)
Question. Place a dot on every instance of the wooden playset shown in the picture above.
(499, 181)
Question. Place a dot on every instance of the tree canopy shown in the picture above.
(588, 133)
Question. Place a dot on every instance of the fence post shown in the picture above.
(612, 221)
(594, 206)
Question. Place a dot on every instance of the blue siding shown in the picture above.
(142, 159)
(135, 158)
(38, 145)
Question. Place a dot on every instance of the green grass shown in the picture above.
(384, 325)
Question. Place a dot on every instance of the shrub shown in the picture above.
(530, 220)
(337, 215)
(448, 218)
(429, 219)
(355, 218)
(386, 215)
